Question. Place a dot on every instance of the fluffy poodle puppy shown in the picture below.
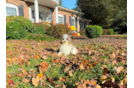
(66, 48)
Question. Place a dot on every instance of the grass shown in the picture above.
(55, 71)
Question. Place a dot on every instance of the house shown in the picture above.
(46, 11)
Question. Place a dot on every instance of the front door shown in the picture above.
(40, 17)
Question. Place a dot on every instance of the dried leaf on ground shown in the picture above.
(89, 52)
(82, 67)
(40, 75)
(70, 73)
(50, 79)
(35, 82)
(112, 56)
(97, 86)
(26, 80)
(62, 79)
(119, 69)
(63, 86)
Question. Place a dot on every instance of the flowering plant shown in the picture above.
(47, 23)
(73, 28)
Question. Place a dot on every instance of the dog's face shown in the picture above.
(65, 39)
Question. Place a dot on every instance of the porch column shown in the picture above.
(30, 13)
(56, 14)
(36, 11)
(78, 29)
(87, 23)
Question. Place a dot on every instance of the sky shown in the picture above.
(69, 3)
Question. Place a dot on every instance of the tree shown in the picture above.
(60, 2)
(103, 12)
(77, 9)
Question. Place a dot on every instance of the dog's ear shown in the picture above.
(61, 41)
(69, 39)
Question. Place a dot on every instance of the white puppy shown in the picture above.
(66, 48)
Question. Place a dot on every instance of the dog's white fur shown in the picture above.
(66, 48)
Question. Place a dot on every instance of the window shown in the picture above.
(60, 19)
(11, 10)
(72, 21)
(82, 25)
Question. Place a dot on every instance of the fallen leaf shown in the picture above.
(10, 81)
(119, 58)
(117, 51)
(58, 85)
(119, 69)
(92, 82)
(89, 51)
(26, 80)
(82, 67)
(44, 65)
(44, 57)
(106, 71)
(70, 73)
(97, 86)
(28, 63)
(63, 86)
(103, 47)
(112, 56)
(122, 86)
(113, 79)
(93, 64)
(24, 72)
(103, 77)
(57, 60)
(66, 69)
(84, 84)
(37, 56)
(123, 82)
(50, 79)
(88, 67)
(62, 79)
(40, 75)
(109, 84)
(35, 82)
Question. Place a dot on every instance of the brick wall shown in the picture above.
(18, 3)
(67, 16)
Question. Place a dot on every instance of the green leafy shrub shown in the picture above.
(110, 31)
(58, 30)
(93, 31)
(38, 28)
(116, 32)
(39, 37)
(17, 27)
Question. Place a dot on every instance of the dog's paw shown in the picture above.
(60, 54)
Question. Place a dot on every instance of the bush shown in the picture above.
(110, 31)
(38, 28)
(58, 30)
(93, 31)
(17, 27)
(39, 37)
(116, 32)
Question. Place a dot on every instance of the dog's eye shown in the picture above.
(67, 38)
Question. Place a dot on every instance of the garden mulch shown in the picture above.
(103, 39)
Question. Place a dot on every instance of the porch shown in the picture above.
(40, 13)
